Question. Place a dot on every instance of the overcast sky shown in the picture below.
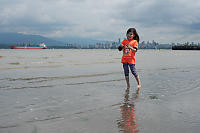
(164, 21)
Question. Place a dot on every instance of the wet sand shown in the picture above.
(58, 91)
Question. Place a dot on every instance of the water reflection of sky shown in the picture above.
(127, 123)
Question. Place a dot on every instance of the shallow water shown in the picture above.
(84, 91)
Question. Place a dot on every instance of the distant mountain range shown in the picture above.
(8, 39)
(18, 38)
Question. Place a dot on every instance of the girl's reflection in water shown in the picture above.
(127, 123)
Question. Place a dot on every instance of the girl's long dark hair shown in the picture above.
(133, 30)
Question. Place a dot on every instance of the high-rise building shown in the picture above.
(119, 41)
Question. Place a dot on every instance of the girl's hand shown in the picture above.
(130, 47)
(126, 45)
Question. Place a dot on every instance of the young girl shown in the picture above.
(130, 46)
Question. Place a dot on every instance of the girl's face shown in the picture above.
(130, 35)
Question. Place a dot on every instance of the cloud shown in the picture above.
(162, 12)
(160, 20)
(174, 18)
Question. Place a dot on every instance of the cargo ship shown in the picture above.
(186, 47)
(41, 46)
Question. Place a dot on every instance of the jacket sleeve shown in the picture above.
(135, 45)
(120, 47)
